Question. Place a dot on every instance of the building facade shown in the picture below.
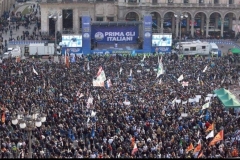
(175, 16)
(5, 5)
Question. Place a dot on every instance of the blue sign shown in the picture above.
(147, 33)
(130, 52)
(113, 34)
(161, 49)
(86, 34)
(72, 50)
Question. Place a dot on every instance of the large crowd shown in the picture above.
(135, 111)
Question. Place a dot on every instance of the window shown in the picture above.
(231, 1)
(203, 47)
(216, 1)
(99, 19)
(186, 49)
(67, 19)
(185, 1)
(201, 1)
(170, 1)
(110, 19)
(154, 1)
(192, 48)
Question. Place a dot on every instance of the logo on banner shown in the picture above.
(107, 52)
(75, 49)
(86, 35)
(163, 49)
(99, 36)
(147, 35)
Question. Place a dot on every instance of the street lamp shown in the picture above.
(29, 122)
(181, 17)
(55, 17)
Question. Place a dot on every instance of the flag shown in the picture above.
(25, 79)
(217, 138)
(18, 59)
(88, 67)
(130, 74)
(160, 81)
(205, 69)
(93, 133)
(81, 95)
(198, 79)
(3, 117)
(132, 142)
(200, 155)
(120, 71)
(144, 56)
(34, 71)
(206, 105)
(66, 59)
(101, 77)
(93, 114)
(198, 148)
(210, 135)
(44, 84)
(160, 70)
(173, 102)
(88, 119)
(180, 78)
(109, 83)
(210, 128)
(189, 148)
(135, 149)
(99, 97)
(198, 133)
(184, 83)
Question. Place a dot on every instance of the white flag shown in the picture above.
(206, 105)
(160, 81)
(210, 135)
(130, 74)
(34, 71)
(198, 79)
(180, 78)
(93, 114)
(120, 71)
(205, 69)
(173, 102)
(144, 56)
(160, 68)
(207, 99)
(88, 67)
(99, 97)
(88, 119)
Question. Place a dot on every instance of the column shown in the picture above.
(75, 21)
(202, 22)
(236, 28)
(162, 21)
(192, 27)
(230, 21)
(177, 27)
(158, 23)
(173, 24)
(188, 19)
(59, 24)
(222, 25)
(44, 20)
(216, 20)
(207, 27)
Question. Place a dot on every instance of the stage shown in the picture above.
(118, 48)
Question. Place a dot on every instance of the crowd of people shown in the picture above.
(139, 115)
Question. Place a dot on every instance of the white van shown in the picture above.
(12, 53)
(214, 49)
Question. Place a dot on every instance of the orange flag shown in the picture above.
(3, 117)
(198, 148)
(67, 61)
(132, 142)
(190, 147)
(217, 138)
(200, 155)
(210, 128)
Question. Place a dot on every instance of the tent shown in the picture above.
(235, 51)
(227, 98)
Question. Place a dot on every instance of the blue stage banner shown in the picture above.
(130, 52)
(113, 34)
(162, 49)
(72, 50)
(86, 34)
(147, 33)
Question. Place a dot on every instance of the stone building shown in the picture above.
(203, 16)
(5, 5)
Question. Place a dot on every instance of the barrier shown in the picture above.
(26, 42)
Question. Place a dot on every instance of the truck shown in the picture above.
(194, 48)
(214, 49)
(12, 52)
(43, 49)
